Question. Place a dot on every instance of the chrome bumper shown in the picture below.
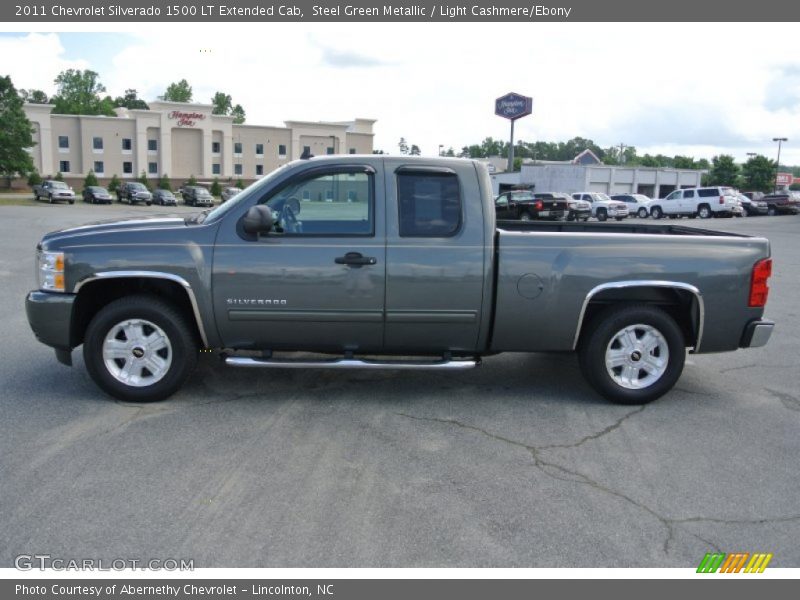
(757, 334)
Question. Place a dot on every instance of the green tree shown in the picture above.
(192, 180)
(143, 180)
(222, 104)
(79, 94)
(113, 184)
(164, 183)
(239, 183)
(403, 146)
(450, 152)
(237, 112)
(34, 178)
(16, 133)
(414, 151)
(130, 100)
(91, 179)
(724, 170)
(59, 177)
(216, 188)
(758, 174)
(795, 187)
(180, 91)
(33, 96)
(377, 152)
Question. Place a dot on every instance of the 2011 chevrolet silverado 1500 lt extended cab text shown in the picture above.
(370, 259)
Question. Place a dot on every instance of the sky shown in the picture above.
(672, 88)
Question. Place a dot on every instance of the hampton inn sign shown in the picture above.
(186, 119)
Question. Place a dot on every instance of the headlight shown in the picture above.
(50, 271)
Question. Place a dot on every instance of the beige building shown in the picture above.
(179, 140)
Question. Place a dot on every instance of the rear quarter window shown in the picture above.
(429, 204)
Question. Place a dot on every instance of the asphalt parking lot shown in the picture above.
(515, 464)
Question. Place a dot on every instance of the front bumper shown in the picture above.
(579, 213)
(50, 317)
(757, 333)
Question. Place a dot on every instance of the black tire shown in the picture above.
(50, 198)
(704, 211)
(656, 212)
(599, 334)
(148, 203)
(619, 218)
(525, 216)
(602, 215)
(72, 201)
(176, 327)
(643, 213)
(772, 211)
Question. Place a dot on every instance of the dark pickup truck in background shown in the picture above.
(391, 262)
(782, 203)
(524, 205)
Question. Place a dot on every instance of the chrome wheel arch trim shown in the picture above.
(152, 275)
(614, 285)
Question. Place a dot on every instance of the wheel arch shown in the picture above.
(94, 292)
(682, 301)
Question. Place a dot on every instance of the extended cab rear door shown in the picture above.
(435, 256)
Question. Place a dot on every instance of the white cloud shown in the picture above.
(34, 60)
(695, 88)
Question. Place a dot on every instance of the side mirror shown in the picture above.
(258, 219)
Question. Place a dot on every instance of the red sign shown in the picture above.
(186, 119)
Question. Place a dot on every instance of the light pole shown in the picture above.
(440, 149)
(778, 166)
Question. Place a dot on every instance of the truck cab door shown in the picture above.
(672, 203)
(502, 206)
(316, 281)
(436, 258)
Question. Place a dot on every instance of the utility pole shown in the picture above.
(622, 153)
(778, 165)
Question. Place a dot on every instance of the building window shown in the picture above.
(63, 142)
(237, 148)
(127, 168)
(352, 150)
(259, 169)
(282, 150)
(237, 169)
(215, 147)
(97, 143)
(306, 150)
(430, 204)
(152, 145)
(127, 144)
(215, 169)
(329, 150)
(260, 149)
(63, 166)
(306, 194)
(329, 195)
(99, 167)
(152, 168)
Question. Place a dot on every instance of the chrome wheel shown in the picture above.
(137, 352)
(637, 356)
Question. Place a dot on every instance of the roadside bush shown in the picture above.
(240, 183)
(91, 179)
(164, 183)
(216, 188)
(59, 177)
(143, 180)
(192, 180)
(34, 178)
(114, 183)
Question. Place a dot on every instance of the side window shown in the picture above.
(502, 200)
(688, 194)
(674, 195)
(429, 203)
(338, 203)
(708, 193)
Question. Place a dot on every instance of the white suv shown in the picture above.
(603, 207)
(705, 202)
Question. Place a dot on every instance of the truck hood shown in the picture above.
(118, 225)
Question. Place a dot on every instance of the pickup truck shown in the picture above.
(391, 262)
(134, 192)
(527, 206)
(54, 191)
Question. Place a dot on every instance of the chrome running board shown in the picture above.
(350, 363)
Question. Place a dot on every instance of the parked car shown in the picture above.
(523, 205)
(54, 191)
(638, 204)
(197, 195)
(752, 208)
(577, 210)
(229, 192)
(782, 203)
(164, 198)
(603, 207)
(134, 192)
(754, 195)
(704, 202)
(360, 282)
(96, 195)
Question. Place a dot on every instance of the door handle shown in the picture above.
(355, 259)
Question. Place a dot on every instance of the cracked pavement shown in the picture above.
(516, 463)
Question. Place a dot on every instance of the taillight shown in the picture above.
(539, 205)
(759, 290)
(722, 199)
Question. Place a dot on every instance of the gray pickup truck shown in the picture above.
(391, 262)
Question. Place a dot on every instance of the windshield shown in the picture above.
(602, 197)
(137, 186)
(98, 190)
(243, 196)
(58, 185)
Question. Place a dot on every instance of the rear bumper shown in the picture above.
(757, 333)
(50, 317)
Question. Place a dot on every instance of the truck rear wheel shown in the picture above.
(139, 349)
(704, 211)
(632, 354)
(602, 215)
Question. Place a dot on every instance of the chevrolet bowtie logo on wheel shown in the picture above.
(737, 562)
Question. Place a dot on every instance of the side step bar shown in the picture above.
(350, 363)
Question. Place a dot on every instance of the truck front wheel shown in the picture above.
(632, 354)
(139, 349)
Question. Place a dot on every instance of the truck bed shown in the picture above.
(615, 227)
